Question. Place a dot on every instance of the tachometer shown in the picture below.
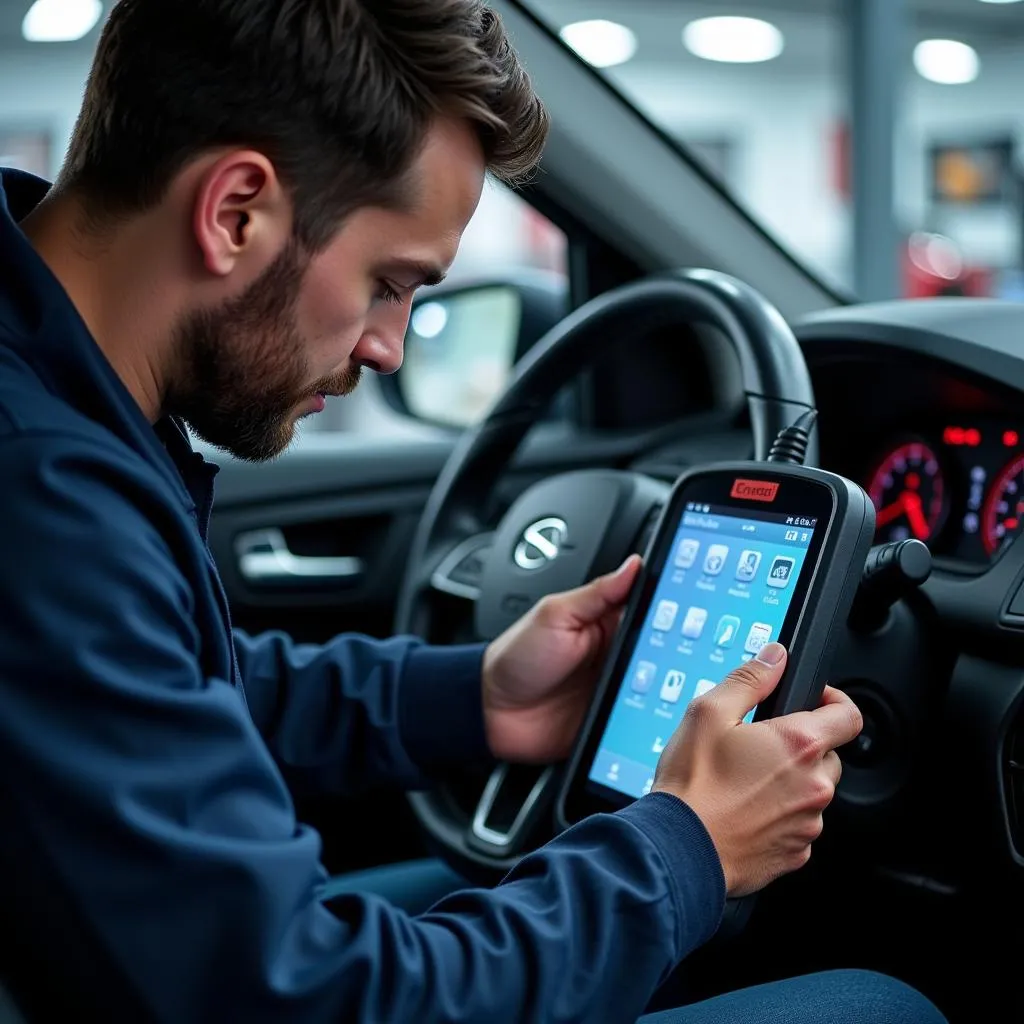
(908, 493)
(1003, 514)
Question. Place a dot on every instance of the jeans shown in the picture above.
(831, 997)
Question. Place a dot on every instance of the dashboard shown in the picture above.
(939, 450)
(957, 485)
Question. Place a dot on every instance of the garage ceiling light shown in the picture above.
(1000, 1)
(946, 61)
(733, 40)
(60, 21)
(600, 43)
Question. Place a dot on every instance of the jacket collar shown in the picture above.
(39, 322)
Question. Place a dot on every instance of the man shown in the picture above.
(253, 192)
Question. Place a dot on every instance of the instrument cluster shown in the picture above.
(958, 486)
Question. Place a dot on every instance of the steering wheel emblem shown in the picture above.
(541, 543)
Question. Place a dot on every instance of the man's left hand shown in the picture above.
(539, 675)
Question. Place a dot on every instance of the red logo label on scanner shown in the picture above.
(754, 490)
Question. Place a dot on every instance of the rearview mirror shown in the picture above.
(464, 341)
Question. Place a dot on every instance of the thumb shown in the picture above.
(745, 687)
(596, 599)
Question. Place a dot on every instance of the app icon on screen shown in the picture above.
(703, 686)
(760, 633)
(714, 562)
(781, 571)
(672, 687)
(658, 746)
(643, 677)
(665, 616)
(693, 624)
(725, 634)
(748, 564)
(686, 553)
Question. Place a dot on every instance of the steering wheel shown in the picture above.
(570, 527)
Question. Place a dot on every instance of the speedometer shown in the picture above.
(1003, 514)
(908, 493)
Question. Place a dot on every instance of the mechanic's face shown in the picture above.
(253, 366)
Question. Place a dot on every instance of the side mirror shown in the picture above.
(465, 338)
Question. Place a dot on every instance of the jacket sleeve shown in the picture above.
(153, 838)
(358, 712)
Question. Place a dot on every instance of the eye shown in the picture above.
(387, 293)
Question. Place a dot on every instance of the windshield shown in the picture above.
(760, 92)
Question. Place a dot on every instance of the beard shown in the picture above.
(242, 371)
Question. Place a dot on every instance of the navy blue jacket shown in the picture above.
(149, 850)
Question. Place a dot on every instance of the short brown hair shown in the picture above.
(339, 94)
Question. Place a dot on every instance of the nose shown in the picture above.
(377, 353)
(382, 345)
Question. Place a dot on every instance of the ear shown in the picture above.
(242, 214)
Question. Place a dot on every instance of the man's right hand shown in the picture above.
(759, 788)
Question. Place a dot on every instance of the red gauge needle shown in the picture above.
(890, 512)
(915, 515)
(908, 504)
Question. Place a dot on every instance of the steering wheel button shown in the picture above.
(470, 569)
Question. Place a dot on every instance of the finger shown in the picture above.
(830, 695)
(834, 724)
(833, 767)
(609, 623)
(591, 602)
(745, 687)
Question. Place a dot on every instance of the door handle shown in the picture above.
(264, 557)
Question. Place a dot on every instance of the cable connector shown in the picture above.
(791, 444)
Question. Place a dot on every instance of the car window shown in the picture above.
(506, 233)
(759, 93)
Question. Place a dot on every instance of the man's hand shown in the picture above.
(539, 675)
(760, 788)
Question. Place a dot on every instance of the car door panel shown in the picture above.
(334, 564)
(315, 542)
